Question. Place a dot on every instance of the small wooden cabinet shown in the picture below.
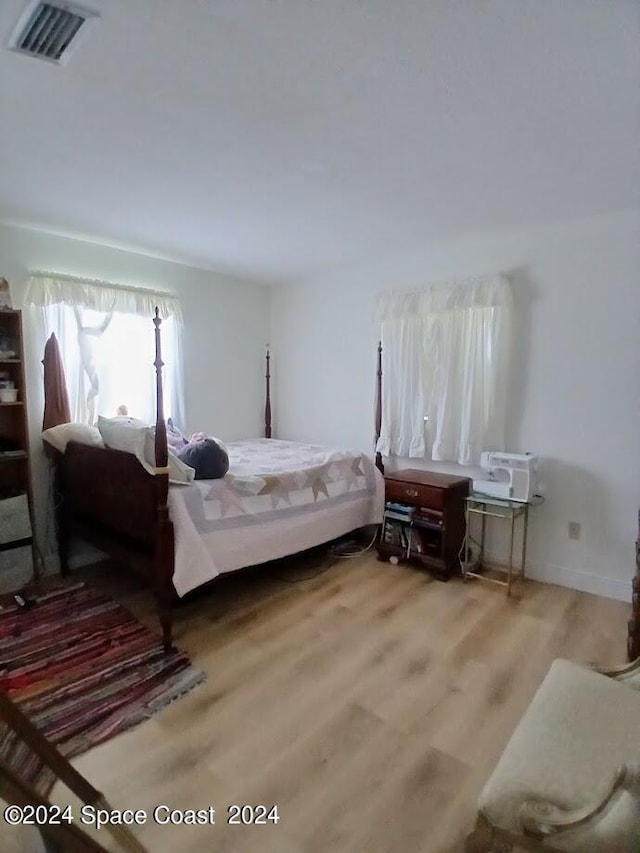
(424, 520)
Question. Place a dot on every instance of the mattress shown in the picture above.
(278, 498)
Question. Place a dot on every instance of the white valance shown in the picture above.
(489, 291)
(45, 289)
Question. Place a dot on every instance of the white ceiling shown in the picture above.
(278, 139)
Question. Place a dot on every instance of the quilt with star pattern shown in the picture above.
(278, 498)
(269, 477)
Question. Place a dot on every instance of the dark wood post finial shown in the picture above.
(161, 451)
(164, 534)
(267, 399)
(378, 416)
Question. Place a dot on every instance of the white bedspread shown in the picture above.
(278, 498)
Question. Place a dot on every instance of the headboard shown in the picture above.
(56, 398)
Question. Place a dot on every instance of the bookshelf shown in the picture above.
(16, 503)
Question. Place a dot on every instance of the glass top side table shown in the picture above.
(487, 506)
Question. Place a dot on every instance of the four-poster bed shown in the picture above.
(279, 499)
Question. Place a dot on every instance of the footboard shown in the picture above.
(108, 498)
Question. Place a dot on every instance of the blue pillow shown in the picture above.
(209, 460)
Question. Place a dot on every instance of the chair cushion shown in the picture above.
(579, 728)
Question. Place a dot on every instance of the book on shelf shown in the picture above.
(398, 512)
(430, 524)
(397, 516)
(395, 533)
(394, 506)
(416, 542)
(431, 516)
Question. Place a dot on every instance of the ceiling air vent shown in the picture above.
(47, 30)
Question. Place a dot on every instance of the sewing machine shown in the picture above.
(512, 476)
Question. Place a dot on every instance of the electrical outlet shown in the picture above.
(574, 530)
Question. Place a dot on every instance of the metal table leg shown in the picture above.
(510, 574)
(465, 543)
(524, 539)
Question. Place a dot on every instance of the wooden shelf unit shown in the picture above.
(15, 469)
(432, 535)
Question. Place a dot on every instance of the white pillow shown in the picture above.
(59, 436)
(179, 472)
(134, 436)
(127, 434)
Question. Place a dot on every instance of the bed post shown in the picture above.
(61, 513)
(379, 463)
(163, 561)
(56, 411)
(267, 398)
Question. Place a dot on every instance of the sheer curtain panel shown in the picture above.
(446, 355)
(105, 332)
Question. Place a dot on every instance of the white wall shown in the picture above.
(226, 328)
(574, 395)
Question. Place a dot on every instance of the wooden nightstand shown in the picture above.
(424, 520)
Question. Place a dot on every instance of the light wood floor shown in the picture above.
(370, 703)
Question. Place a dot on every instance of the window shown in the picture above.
(445, 354)
(107, 344)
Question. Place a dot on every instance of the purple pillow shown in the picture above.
(176, 441)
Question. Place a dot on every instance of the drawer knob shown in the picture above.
(412, 493)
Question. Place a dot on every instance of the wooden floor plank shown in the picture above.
(368, 702)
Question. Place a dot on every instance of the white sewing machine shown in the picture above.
(512, 476)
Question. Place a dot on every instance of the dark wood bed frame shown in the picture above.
(132, 524)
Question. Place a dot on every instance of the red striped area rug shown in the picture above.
(83, 669)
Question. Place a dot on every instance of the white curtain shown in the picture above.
(445, 365)
(106, 339)
(89, 361)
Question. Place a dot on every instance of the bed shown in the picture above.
(278, 498)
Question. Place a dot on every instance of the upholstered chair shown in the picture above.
(569, 777)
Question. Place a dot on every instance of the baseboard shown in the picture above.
(76, 561)
(560, 575)
(584, 581)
